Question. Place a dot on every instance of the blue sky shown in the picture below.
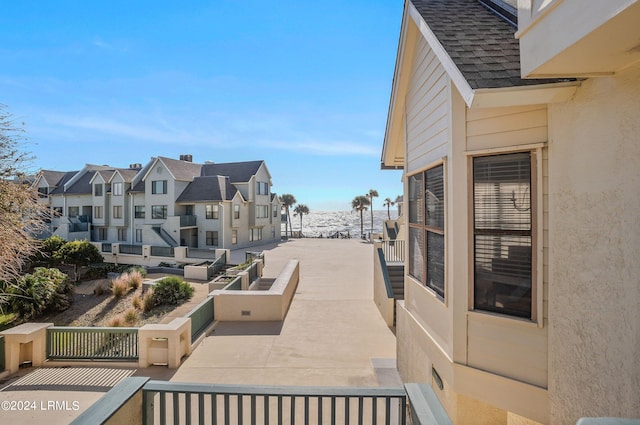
(303, 85)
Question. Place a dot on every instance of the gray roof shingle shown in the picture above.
(481, 44)
(83, 185)
(238, 172)
(182, 170)
(54, 177)
(59, 187)
(207, 188)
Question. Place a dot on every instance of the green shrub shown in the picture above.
(138, 269)
(172, 290)
(44, 289)
(78, 254)
(46, 255)
(148, 301)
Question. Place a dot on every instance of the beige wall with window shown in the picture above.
(496, 353)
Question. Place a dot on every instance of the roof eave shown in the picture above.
(524, 95)
(447, 63)
(393, 143)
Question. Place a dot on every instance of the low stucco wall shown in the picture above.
(259, 305)
(385, 304)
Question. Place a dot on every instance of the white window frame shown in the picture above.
(117, 189)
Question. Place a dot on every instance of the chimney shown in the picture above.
(222, 181)
(186, 158)
(135, 166)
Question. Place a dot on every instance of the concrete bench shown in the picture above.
(269, 305)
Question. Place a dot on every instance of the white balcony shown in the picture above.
(577, 38)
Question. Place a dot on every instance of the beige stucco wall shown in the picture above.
(594, 292)
(385, 304)
(269, 305)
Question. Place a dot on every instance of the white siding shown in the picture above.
(427, 109)
(504, 127)
(501, 345)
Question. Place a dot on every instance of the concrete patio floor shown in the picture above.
(333, 334)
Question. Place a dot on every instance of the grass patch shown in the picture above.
(6, 320)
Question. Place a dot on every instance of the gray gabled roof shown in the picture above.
(53, 178)
(181, 170)
(481, 44)
(208, 188)
(59, 186)
(128, 174)
(82, 186)
(238, 172)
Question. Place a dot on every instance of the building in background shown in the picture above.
(165, 203)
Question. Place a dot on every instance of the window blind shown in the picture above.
(503, 233)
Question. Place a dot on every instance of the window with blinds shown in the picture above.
(426, 228)
(503, 234)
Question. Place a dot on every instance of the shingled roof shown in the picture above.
(481, 44)
(82, 186)
(53, 178)
(208, 188)
(238, 172)
(181, 170)
(59, 185)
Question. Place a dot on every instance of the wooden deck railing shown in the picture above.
(72, 343)
(168, 402)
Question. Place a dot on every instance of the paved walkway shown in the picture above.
(333, 334)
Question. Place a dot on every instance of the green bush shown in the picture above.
(46, 255)
(78, 254)
(172, 290)
(139, 269)
(148, 301)
(44, 289)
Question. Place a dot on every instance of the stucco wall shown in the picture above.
(594, 291)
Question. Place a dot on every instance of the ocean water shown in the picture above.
(328, 223)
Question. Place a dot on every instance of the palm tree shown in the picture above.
(399, 201)
(372, 194)
(287, 201)
(301, 209)
(388, 203)
(360, 203)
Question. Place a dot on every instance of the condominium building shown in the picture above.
(166, 203)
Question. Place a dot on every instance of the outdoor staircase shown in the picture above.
(391, 233)
(165, 236)
(396, 275)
